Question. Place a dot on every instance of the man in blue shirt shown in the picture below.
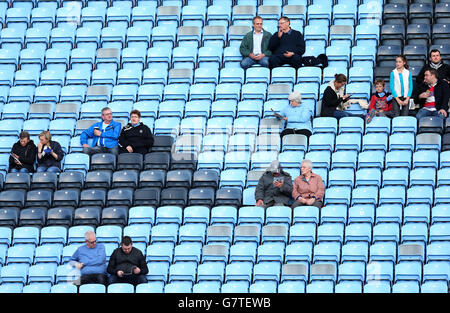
(105, 135)
(90, 260)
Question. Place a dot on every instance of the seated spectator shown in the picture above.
(127, 264)
(90, 260)
(135, 136)
(432, 96)
(401, 85)
(274, 187)
(298, 117)
(380, 102)
(105, 135)
(49, 154)
(435, 62)
(287, 45)
(334, 99)
(308, 188)
(23, 155)
(254, 45)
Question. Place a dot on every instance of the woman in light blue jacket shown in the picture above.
(297, 117)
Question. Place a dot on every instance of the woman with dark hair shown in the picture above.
(334, 98)
(401, 85)
(135, 137)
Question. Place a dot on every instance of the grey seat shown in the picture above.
(219, 233)
(237, 32)
(269, 11)
(294, 271)
(67, 110)
(268, 142)
(253, 177)
(411, 252)
(274, 233)
(246, 233)
(108, 55)
(270, 126)
(323, 272)
(82, 125)
(278, 91)
(294, 141)
(189, 33)
(294, 11)
(214, 32)
(215, 252)
(41, 110)
(180, 75)
(243, 12)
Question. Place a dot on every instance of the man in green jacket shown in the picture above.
(254, 45)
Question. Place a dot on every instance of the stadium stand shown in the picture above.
(188, 203)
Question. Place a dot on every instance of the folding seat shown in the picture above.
(434, 271)
(325, 251)
(141, 215)
(14, 273)
(12, 198)
(87, 216)
(60, 216)
(337, 195)
(414, 232)
(120, 288)
(425, 158)
(174, 196)
(433, 287)
(383, 254)
(321, 141)
(125, 178)
(201, 196)
(121, 196)
(428, 141)
(17, 181)
(438, 232)
(371, 159)
(439, 33)
(377, 286)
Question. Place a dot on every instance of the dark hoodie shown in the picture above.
(27, 156)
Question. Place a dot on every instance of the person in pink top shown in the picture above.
(308, 188)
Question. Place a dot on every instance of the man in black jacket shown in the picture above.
(437, 64)
(432, 95)
(23, 155)
(127, 264)
(287, 45)
(135, 136)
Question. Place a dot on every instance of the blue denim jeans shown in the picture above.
(424, 112)
(249, 62)
(22, 170)
(43, 168)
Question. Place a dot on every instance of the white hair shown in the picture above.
(295, 96)
(307, 163)
(88, 234)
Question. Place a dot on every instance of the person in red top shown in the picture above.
(380, 102)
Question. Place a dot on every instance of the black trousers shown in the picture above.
(276, 60)
(130, 279)
(290, 131)
(93, 279)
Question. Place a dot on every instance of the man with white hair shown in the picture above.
(274, 187)
(308, 188)
(90, 260)
(297, 117)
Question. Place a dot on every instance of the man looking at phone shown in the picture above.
(287, 45)
(104, 135)
(274, 187)
(254, 45)
(308, 188)
(127, 264)
(432, 95)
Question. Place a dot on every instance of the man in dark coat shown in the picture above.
(23, 155)
(127, 264)
(274, 187)
(135, 136)
(287, 45)
(437, 64)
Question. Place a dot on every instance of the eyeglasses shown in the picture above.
(91, 242)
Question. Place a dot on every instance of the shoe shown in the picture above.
(370, 115)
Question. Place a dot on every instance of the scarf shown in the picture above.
(436, 66)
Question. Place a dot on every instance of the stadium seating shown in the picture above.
(189, 202)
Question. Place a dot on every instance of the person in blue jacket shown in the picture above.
(297, 117)
(105, 135)
(90, 260)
